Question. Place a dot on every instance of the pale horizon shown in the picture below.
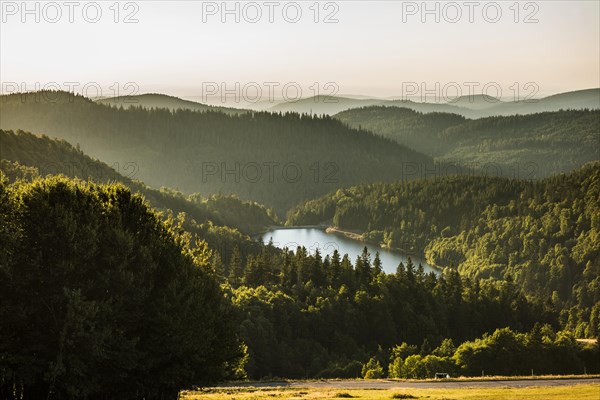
(171, 50)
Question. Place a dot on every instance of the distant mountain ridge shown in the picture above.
(527, 146)
(157, 100)
(475, 102)
(469, 106)
(576, 100)
(476, 106)
(277, 160)
(41, 155)
(319, 105)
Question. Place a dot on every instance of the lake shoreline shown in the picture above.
(356, 237)
(360, 237)
(349, 234)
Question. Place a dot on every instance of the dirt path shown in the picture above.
(385, 384)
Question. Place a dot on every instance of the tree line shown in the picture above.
(543, 235)
(278, 160)
(517, 146)
(505, 352)
(101, 299)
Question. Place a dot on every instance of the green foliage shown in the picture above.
(305, 316)
(222, 221)
(527, 146)
(100, 299)
(395, 368)
(404, 350)
(414, 129)
(276, 159)
(541, 350)
(505, 352)
(421, 367)
(349, 370)
(406, 214)
(158, 100)
(372, 369)
(445, 349)
(14, 171)
(542, 236)
(25, 156)
(414, 367)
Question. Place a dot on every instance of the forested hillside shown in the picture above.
(114, 285)
(518, 146)
(223, 221)
(520, 259)
(298, 314)
(100, 299)
(575, 100)
(544, 236)
(468, 106)
(304, 316)
(277, 160)
(414, 129)
(157, 100)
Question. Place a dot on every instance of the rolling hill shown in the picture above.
(475, 102)
(477, 106)
(576, 100)
(526, 146)
(277, 160)
(542, 235)
(25, 155)
(319, 105)
(156, 100)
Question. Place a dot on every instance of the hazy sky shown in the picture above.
(375, 47)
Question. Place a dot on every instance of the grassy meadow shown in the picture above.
(579, 392)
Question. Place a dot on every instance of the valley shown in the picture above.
(299, 200)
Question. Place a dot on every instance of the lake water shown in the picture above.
(326, 243)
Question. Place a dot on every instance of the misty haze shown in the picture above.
(317, 200)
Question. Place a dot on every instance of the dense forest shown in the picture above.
(277, 160)
(157, 100)
(544, 235)
(125, 306)
(110, 289)
(503, 352)
(224, 221)
(100, 299)
(468, 106)
(304, 316)
(518, 146)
